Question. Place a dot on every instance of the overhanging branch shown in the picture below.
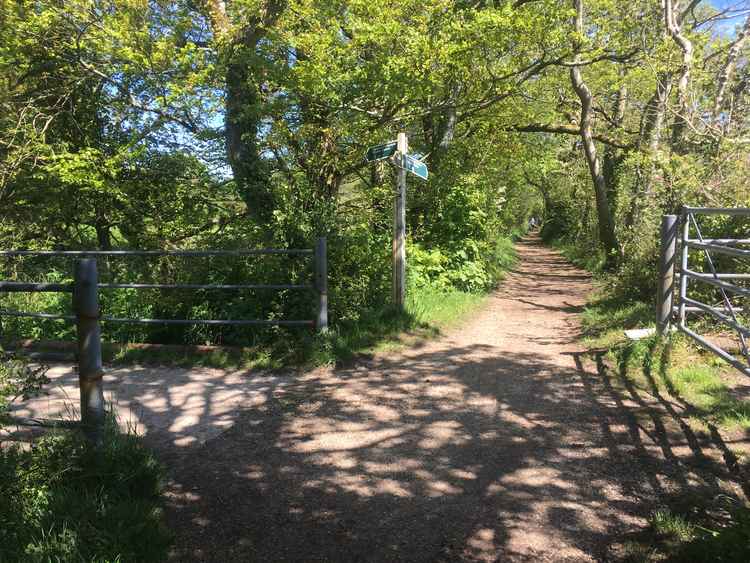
(567, 130)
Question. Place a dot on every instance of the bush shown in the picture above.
(473, 267)
(63, 500)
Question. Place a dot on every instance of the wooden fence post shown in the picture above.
(321, 284)
(90, 372)
(667, 252)
(399, 226)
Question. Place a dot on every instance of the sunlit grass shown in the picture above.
(428, 313)
(702, 387)
(672, 526)
(443, 309)
(605, 319)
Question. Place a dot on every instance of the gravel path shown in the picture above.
(499, 441)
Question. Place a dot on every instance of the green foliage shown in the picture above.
(63, 500)
(201, 124)
(474, 267)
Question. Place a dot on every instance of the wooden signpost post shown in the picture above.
(397, 152)
(399, 226)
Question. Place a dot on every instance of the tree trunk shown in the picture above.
(241, 121)
(103, 237)
(243, 113)
(728, 70)
(607, 237)
(612, 158)
(654, 116)
(673, 24)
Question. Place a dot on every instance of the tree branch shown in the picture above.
(568, 130)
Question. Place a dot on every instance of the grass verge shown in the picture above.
(428, 313)
(63, 500)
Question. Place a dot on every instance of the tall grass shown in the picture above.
(65, 501)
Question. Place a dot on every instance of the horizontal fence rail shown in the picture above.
(51, 316)
(720, 248)
(725, 313)
(734, 211)
(24, 287)
(107, 319)
(156, 253)
(227, 322)
(202, 286)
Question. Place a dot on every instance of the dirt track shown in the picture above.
(499, 441)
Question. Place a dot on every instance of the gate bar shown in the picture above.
(726, 241)
(700, 275)
(718, 283)
(721, 249)
(718, 351)
(740, 211)
(200, 286)
(675, 308)
(17, 287)
(193, 253)
(717, 315)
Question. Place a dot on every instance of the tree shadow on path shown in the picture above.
(431, 458)
(500, 442)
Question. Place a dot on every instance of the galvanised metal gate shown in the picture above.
(86, 312)
(319, 285)
(726, 313)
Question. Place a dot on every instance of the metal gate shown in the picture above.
(87, 316)
(725, 312)
(319, 284)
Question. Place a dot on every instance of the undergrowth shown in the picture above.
(62, 500)
(695, 530)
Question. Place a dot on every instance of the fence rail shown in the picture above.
(726, 313)
(154, 253)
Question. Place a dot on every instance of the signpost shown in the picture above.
(399, 227)
(380, 152)
(416, 167)
(397, 152)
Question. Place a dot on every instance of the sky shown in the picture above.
(728, 26)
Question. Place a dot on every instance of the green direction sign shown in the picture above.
(416, 167)
(379, 152)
